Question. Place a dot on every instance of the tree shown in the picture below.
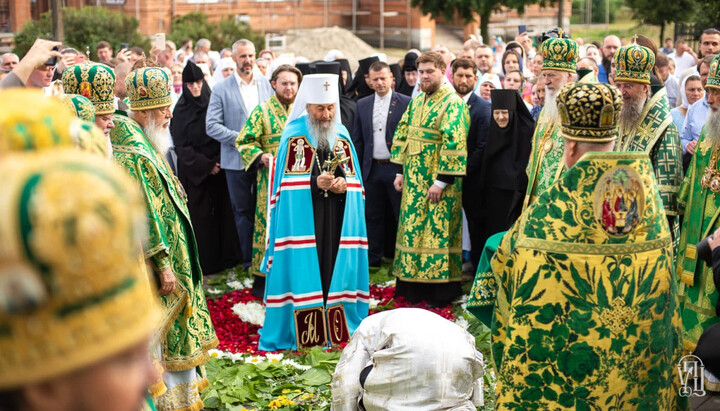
(195, 26)
(661, 12)
(84, 27)
(708, 13)
(464, 9)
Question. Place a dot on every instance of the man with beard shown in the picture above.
(96, 82)
(258, 143)
(646, 124)
(231, 103)
(430, 144)
(699, 202)
(316, 260)
(464, 78)
(545, 165)
(139, 145)
(579, 281)
(610, 45)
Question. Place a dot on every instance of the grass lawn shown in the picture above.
(624, 26)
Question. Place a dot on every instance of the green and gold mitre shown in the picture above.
(713, 80)
(79, 106)
(88, 137)
(73, 287)
(559, 54)
(93, 81)
(589, 112)
(634, 63)
(148, 88)
(46, 125)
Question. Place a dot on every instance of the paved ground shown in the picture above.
(709, 402)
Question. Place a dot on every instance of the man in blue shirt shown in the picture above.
(697, 113)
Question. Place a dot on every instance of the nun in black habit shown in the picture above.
(502, 179)
(200, 174)
(359, 87)
(347, 105)
(401, 84)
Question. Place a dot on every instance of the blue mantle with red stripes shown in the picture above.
(291, 259)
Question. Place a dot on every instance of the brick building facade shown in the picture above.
(269, 16)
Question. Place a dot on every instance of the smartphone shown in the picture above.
(52, 60)
(522, 29)
(160, 41)
(124, 46)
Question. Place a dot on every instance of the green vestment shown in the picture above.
(431, 139)
(261, 134)
(546, 163)
(170, 243)
(657, 136)
(700, 208)
(587, 313)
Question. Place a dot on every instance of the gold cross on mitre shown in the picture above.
(326, 85)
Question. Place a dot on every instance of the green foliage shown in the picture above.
(222, 34)
(464, 9)
(661, 12)
(271, 384)
(84, 27)
(598, 11)
(708, 13)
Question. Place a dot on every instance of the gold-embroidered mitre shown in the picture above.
(148, 88)
(73, 288)
(93, 81)
(589, 112)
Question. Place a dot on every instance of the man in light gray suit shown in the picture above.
(231, 102)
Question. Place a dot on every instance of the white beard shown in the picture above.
(712, 126)
(159, 136)
(322, 132)
(550, 107)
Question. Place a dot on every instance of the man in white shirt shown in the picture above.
(684, 56)
(376, 118)
(231, 102)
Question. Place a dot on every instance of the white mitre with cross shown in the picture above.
(316, 89)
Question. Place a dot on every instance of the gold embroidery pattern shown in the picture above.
(619, 317)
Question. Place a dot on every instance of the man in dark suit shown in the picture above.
(464, 72)
(376, 118)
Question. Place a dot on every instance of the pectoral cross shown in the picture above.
(327, 85)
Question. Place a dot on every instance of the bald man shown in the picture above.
(610, 45)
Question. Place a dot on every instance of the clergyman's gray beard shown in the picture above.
(322, 132)
(712, 125)
(630, 114)
(159, 137)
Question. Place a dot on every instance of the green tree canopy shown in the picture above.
(84, 27)
(661, 12)
(222, 34)
(464, 9)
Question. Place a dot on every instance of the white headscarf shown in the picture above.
(316, 89)
(685, 103)
(225, 62)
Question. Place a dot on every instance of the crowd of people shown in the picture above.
(575, 181)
